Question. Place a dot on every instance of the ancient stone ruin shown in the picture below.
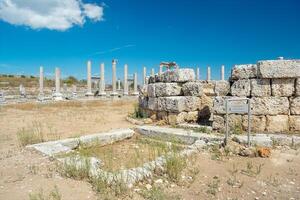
(273, 87)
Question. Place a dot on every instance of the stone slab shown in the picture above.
(297, 87)
(294, 121)
(241, 88)
(222, 88)
(270, 105)
(283, 87)
(167, 89)
(178, 75)
(244, 71)
(178, 104)
(279, 69)
(277, 124)
(192, 88)
(295, 105)
(258, 123)
(260, 87)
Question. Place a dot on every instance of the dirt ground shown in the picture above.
(23, 171)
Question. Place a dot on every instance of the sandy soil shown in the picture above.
(23, 172)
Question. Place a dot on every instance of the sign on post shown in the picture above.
(238, 106)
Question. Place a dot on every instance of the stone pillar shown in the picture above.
(114, 77)
(144, 75)
(152, 72)
(41, 93)
(125, 83)
(135, 80)
(208, 73)
(222, 73)
(160, 69)
(119, 84)
(102, 81)
(89, 79)
(74, 91)
(57, 95)
(197, 74)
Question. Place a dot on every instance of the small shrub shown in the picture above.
(53, 195)
(252, 170)
(174, 166)
(237, 129)
(156, 193)
(139, 113)
(31, 136)
(213, 186)
(72, 169)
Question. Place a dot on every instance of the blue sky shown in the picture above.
(144, 33)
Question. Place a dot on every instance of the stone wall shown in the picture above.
(273, 86)
(274, 89)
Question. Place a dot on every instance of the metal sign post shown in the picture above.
(238, 106)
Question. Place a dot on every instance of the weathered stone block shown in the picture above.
(283, 87)
(269, 105)
(258, 123)
(209, 88)
(241, 88)
(167, 89)
(192, 88)
(244, 71)
(277, 123)
(279, 69)
(234, 122)
(218, 122)
(294, 122)
(162, 115)
(143, 102)
(297, 87)
(192, 116)
(178, 75)
(260, 87)
(151, 90)
(206, 107)
(295, 106)
(219, 105)
(152, 103)
(178, 104)
(222, 88)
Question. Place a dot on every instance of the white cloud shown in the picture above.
(51, 14)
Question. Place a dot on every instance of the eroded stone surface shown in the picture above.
(295, 106)
(219, 105)
(277, 123)
(244, 71)
(152, 103)
(178, 104)
(209, 88)
(218, 122)
(222, 88)
(167, 89)
(297, 87)
(260, 87)
(283, 87)
(178, 75)
(279, 68)
(192, 88)
(241, 88)
(294, 121)
(258, 123)
(269, 105)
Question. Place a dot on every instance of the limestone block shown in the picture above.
(206, 107)
(167, 89)
(151, 90)
(144, 91)
(209, 88)
(258, 123)
(283, 87)
(295, 106)
(192, 116)
(222, 88)
(152, 103)
(260, 87)
(294, 122)
(143, 103)
(241, 88)
(162, 115)
(181, 117)
(178, 103)
(178, 75)
(277, 123)
(234, 121)
(192, 88)
(218, 122)
(269, 105)
(279, 69)
(219, 105)
(297, 88)
(244, 71)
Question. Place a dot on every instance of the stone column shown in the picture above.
(208, 73)
(102, 81)
(89, 79)
(222, 73)
(144, 75)
(57, 95)
(125, 83)
(197, 74)
(160, 69)
(152, 72)
(74, 91)
(41, 93)
(119, 84)
(135, 80)
(114, 77)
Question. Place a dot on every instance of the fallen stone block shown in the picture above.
(277, 123)
(260, 87)
(269, 106)
(222, 88)
(295, 106)
(283, 87)
(192, 88)
(241, 88)
(178, 75)
(279, 69)
(294, 121)
(178, 104)
(244, 71)
(258, 123)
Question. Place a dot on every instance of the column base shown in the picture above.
(57, 96)
(135, 94)
(102, 94)
(114, 94)
(125, 94)
(89, 94)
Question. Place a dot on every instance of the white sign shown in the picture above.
(237, 107)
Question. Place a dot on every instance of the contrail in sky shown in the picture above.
(114, 49)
